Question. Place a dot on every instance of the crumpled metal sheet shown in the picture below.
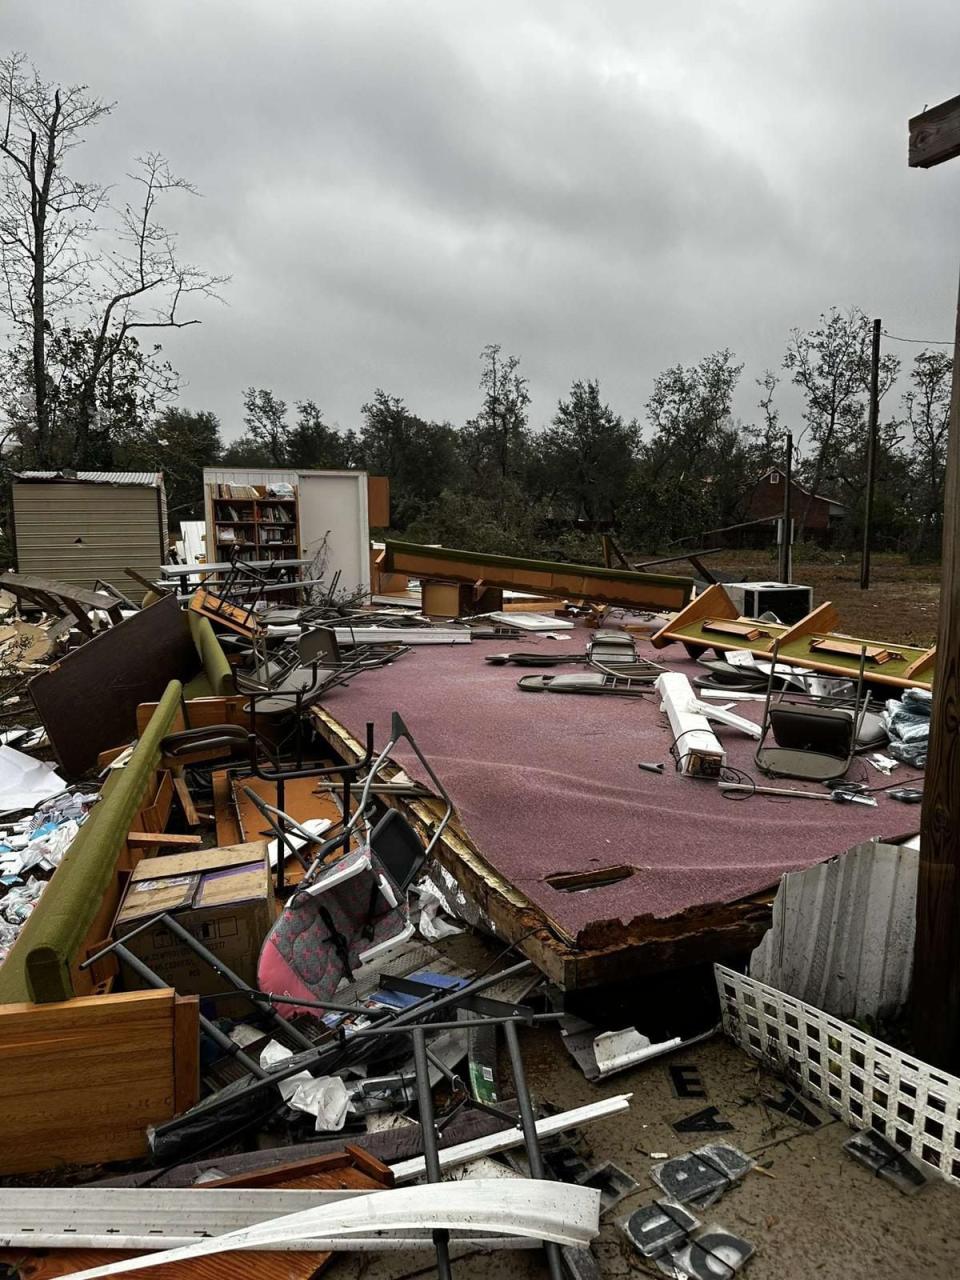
(843, 931)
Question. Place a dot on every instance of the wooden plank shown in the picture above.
(352, 1167)
(36, 1264)
(186, 799)
(201, 713)
(922, 668)
(222, 612)
(61, 591)
(934, 135)
(186, 1052)
(85, 1013)
(378, 502)
(302, 799)
(228, 824)
(168, 839)
(935, 1002)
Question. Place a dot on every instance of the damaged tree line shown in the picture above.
(92, 275)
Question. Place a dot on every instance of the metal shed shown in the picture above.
(78, 526)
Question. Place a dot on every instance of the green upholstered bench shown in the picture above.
(215, 679)
(38, 967)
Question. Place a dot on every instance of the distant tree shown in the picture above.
(926, 413)
(180, 443)
(495, 444)
(419, 458)
(125, 392)
(587, 455)
(691, 473)
(267, 428)
(71, 264)
(767, 439)
(272, 440)
(313, 445)
(831, 366)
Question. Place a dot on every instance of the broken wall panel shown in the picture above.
(88, 700)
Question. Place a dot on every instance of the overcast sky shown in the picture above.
(605, 187)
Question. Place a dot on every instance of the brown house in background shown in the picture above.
(766, 499)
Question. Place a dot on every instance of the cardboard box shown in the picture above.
(224, 897)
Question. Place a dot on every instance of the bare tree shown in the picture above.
(46, 216)
(69, 256)
(831, 366)
(926, 409)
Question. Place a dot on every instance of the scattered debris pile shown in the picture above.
(314, 997)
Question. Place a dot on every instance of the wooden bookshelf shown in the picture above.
(248, 519)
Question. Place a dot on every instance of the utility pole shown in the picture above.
(786, 532)
(871, 457)
(935, 996)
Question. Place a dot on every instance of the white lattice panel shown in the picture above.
(863, 1081)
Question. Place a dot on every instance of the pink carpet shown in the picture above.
(548, 783)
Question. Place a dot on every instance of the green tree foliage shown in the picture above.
(180, 443)
(114, 400)
(272, 440)
(496, 443)
(692, 469)
(585, 457)
(420, 458)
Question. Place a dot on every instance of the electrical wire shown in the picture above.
(678, 758)
(736, 777)
(921, 342)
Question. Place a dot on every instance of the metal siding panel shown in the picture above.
(842, 932)
(116, 526)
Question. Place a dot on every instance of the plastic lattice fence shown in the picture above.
(863, 1081)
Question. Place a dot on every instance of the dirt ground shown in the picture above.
(813, 1211)
(901, 603)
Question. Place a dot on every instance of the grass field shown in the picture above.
(901, 604)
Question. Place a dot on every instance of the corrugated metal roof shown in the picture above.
(152, 478)
(843, 931)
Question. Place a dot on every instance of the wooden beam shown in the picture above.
(146, 839)
(935, 135)
(544, 577)
(936, 965)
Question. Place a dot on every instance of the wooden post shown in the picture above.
(871, 457)
(935, 996)
(936, 964)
